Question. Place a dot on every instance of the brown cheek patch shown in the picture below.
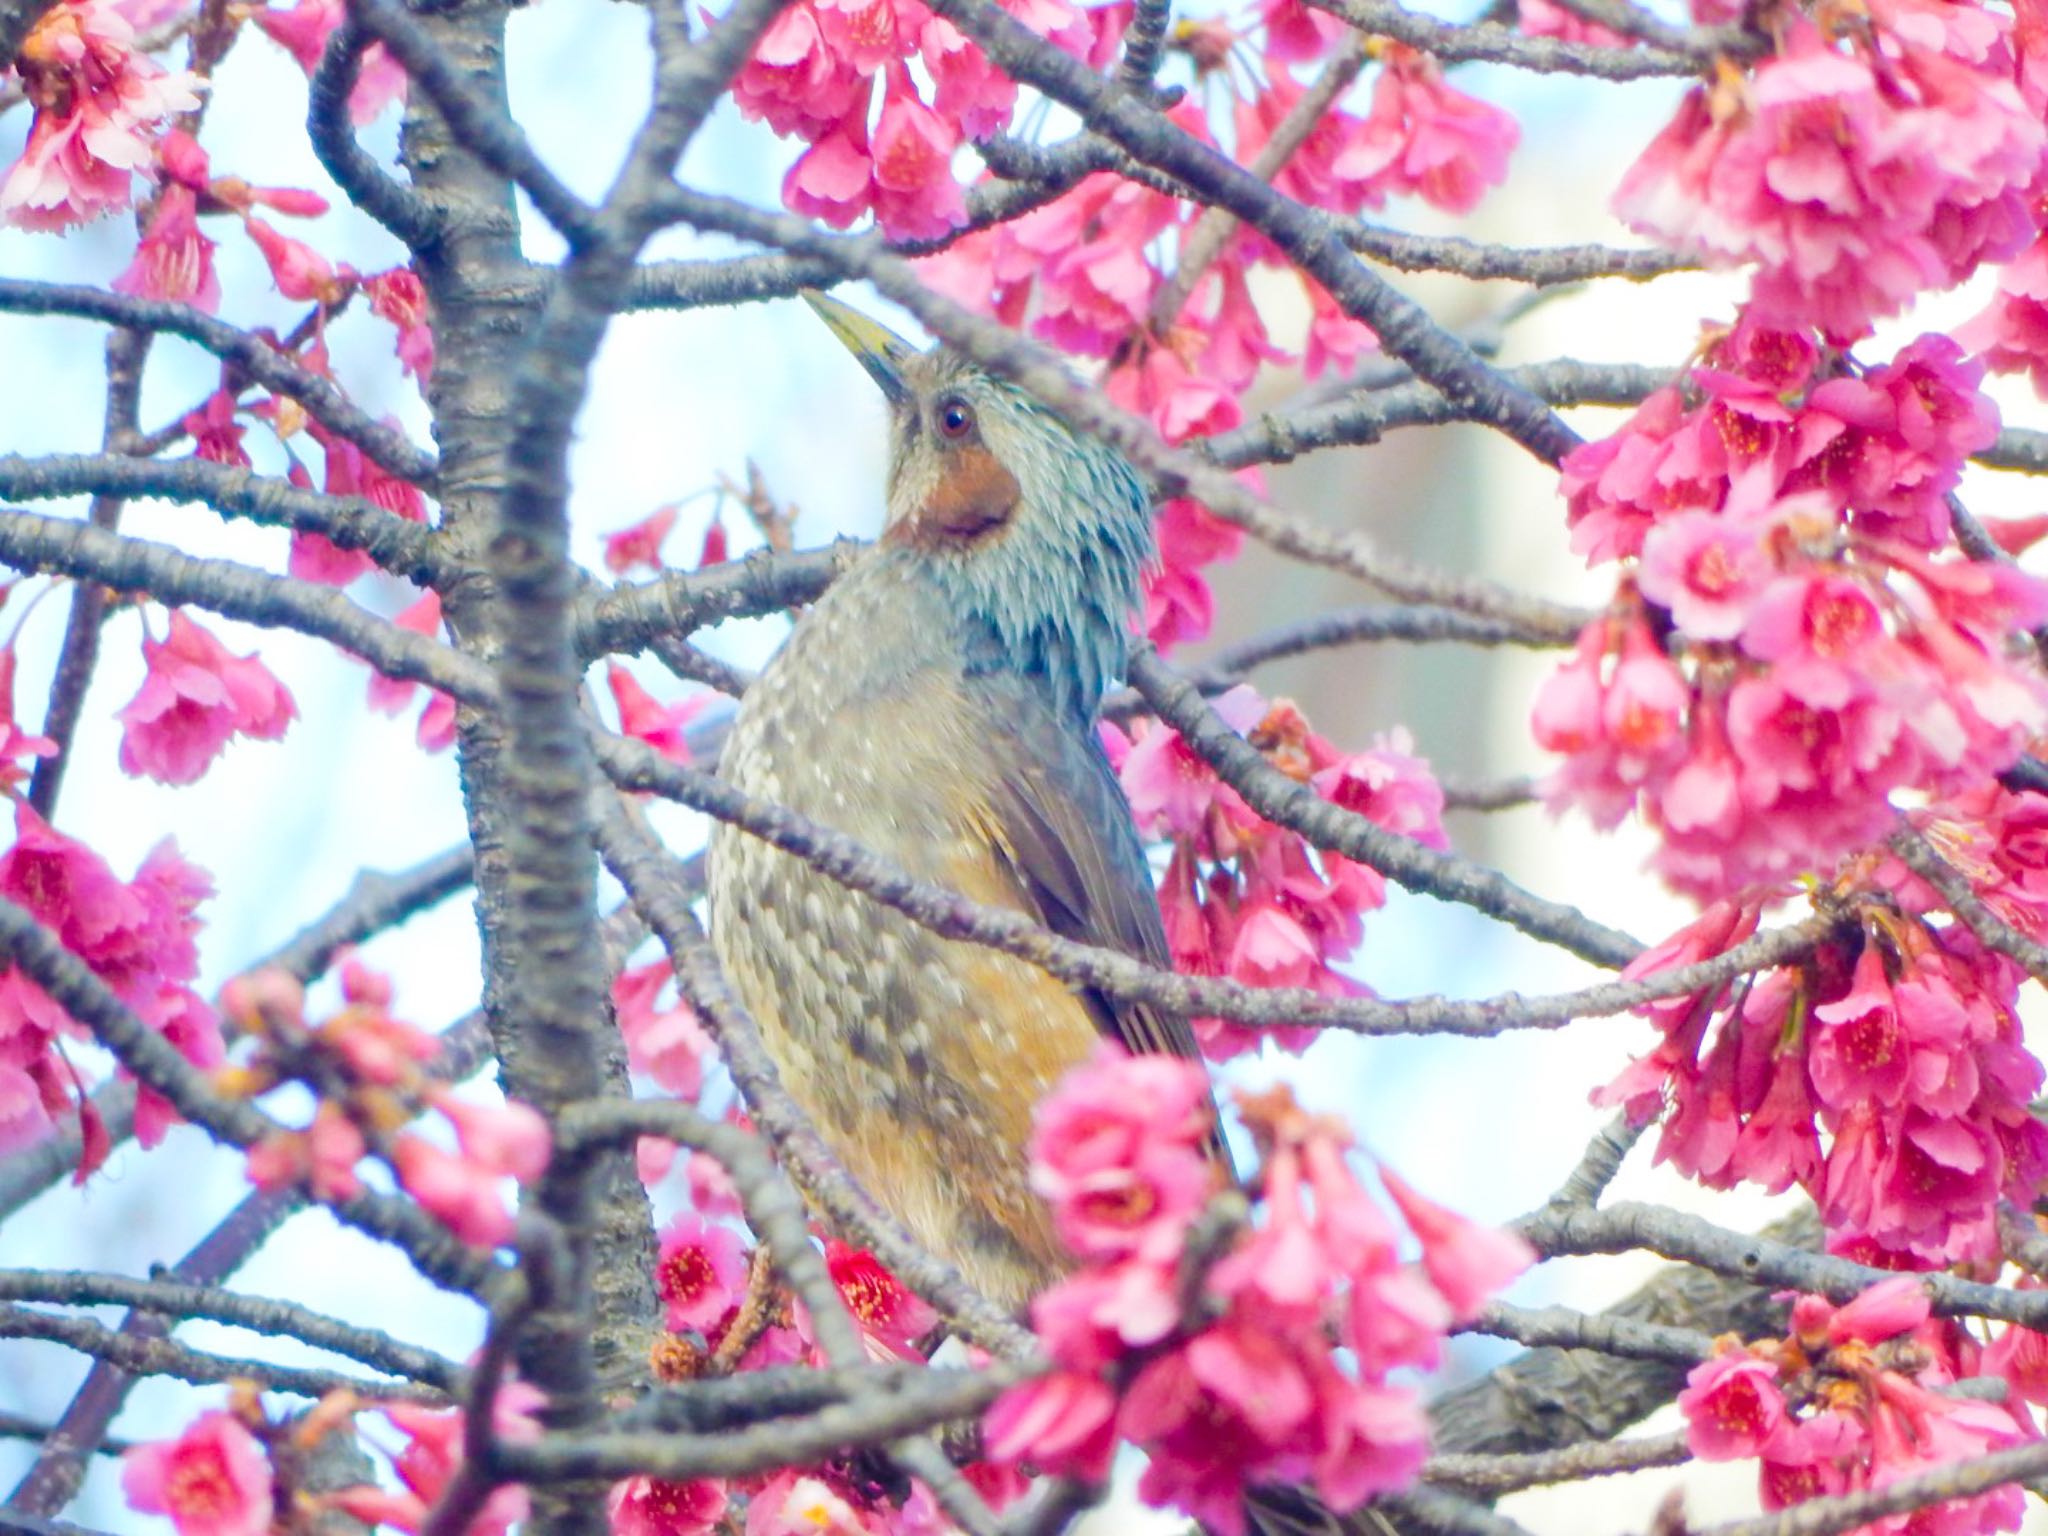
(974, 496)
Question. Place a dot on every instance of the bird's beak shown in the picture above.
(880, 350)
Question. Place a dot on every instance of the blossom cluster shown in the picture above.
(1244, 898)
(100, 103)
(1793, 642)
(1886, 1076)
(196, 696)
(1856, 168)
(1852, 1398)
(138, 936)
(814, 75)
(368, 1070)
(101, 108)
(716, 1319)
(1227, 1376)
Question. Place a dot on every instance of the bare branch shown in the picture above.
(353, 522)
(1494, 43)
(251, 354)
(1558, 1230)
(260, 1314)
(333, 137)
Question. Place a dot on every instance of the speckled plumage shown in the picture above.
(937, 704)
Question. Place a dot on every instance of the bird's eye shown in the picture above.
(956, 419)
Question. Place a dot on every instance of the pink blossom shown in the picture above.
(1336, 340)
(1617, 711)
(653, 1506)
(1886, 1310)
(833, 180)
(699, 1272)
(1615, 486)
(667, 1044)
(641, 716)
(870, 35)
(1086, 1320)
(433, 1454)
(640, 544)
(889, 1313)
(795, 80)
(1465, 1261)
(1178, 604)
(1118, 1152)
(462, 1195)
(1083, 257)
(712, 1192)
(1063, 1423)
(915, 195)
(15, 743)
(1707, 570)
(182, 1017)
(323, 1157)
(302, 31)
(1387, 783)
(1425, 138)
(1294, 33)
(299, 271)
(422, 616)
(1214, 1416)
(2011, 334)
(815, 1503)
(216, 435)
(194, 698)
(1854, 182)
(174, 261)
(1171, 790)
(399, 297)
(1732, 1407)
(1374, 1439)
(510, 1139)
(99, 104)
(212, 1480)
(971, 92)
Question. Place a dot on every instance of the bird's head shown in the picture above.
(1035, 533)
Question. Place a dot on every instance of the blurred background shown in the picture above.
(680, 401)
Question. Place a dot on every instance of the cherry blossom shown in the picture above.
(99, 105)
(302, 30)
(15, 743)
(665, 727)
(212, 1480)
(195, 698)
(1852, 1398)
(174, 261)
(1792, 647)
(399, 296)
(1855, 172)
(653, 1506)
(1244, 898)
(640, 543)
(699, 1272)
(1890, 1082)
(1246, 1390)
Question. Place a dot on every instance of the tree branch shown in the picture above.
(251, 354)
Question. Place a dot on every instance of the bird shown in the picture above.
(938, 704)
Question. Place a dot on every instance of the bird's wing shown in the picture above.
(1064, 829)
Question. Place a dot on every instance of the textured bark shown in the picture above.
(559, 1044)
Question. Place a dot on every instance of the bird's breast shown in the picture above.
(919, 1058)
